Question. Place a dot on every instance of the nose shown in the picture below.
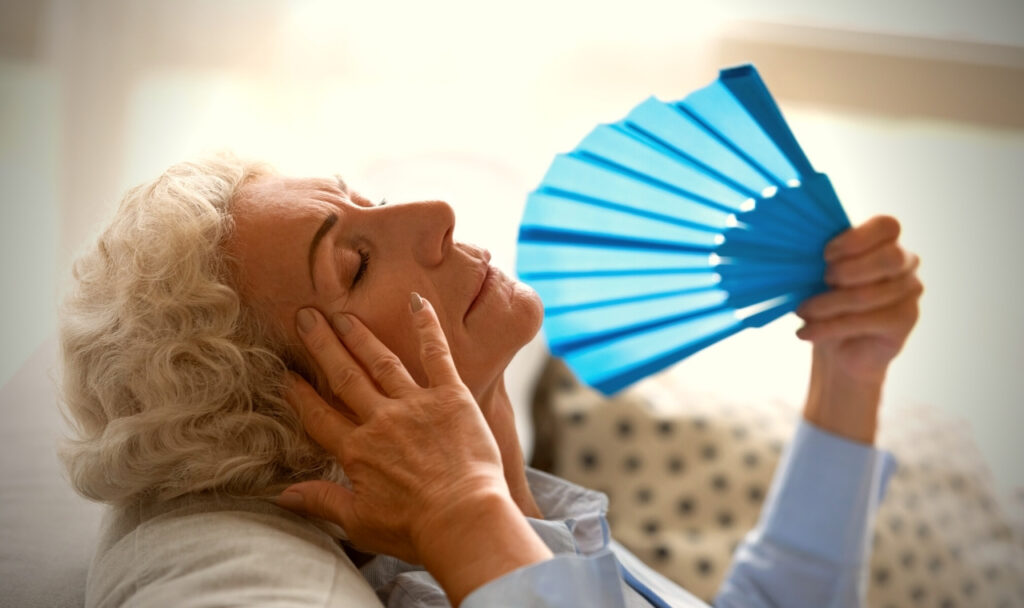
(428, 225)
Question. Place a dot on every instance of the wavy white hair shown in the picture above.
(172, 383)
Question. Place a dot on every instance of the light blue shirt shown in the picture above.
(810, 548)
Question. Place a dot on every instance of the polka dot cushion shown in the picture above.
(686, 474)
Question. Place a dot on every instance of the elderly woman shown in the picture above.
(216, 279)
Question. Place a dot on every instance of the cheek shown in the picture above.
(392, 325)
(485, 349)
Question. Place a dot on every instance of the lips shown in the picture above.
(480, 288)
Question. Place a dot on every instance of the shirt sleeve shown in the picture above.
(563, 581)
(812, 544)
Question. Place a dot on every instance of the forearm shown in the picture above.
(812, 544)
(842, 404)
(477, 541)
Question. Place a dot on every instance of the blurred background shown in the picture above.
(913, 108)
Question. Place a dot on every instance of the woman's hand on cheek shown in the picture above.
(427, 483)
(862, 323)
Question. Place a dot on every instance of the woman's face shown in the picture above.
(312, 242)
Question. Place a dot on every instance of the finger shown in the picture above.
(854, 241)
(324, 424)
(896, 321)
(885, 262)
(859, 299)
(384, 366)
(348, 381)
(434, 352)
(322, 499)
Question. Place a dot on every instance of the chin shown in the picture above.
(518, 323)
(533, 311)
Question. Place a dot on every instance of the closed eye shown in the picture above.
(364, 256)
(364, 262)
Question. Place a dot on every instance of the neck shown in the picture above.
(497, 410)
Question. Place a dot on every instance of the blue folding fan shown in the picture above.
(674, 228)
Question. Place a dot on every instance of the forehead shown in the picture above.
(275, 218)
(275, 193)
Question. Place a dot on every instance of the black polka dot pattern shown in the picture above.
(662, 553)
(687, 477)
(881, 576)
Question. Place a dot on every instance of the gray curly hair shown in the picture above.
(171, 382)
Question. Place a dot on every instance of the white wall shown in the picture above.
(29, 223)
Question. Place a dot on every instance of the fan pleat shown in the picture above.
(651, 161)
(675, 228)
(566, 258)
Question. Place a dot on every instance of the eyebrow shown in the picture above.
(324, 228)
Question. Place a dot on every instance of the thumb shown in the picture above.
(322, 499)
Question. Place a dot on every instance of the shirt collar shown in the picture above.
(559, 499)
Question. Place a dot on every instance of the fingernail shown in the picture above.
(415, 302)
(291, 500)
(341, 323)
(307, 320)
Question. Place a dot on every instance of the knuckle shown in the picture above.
(356, 339)
(351, 458)
(343, 379)
(386, 418)
(425, 323)
(315, 417)
(434, 350)
(385, 365)
(894, 257)
(316, 341)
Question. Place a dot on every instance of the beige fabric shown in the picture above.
(206, 551)
(687, 472)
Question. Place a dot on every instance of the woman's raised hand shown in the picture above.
(426, 474)
(859, 326)
(866, 318)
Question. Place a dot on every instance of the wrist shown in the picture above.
(840, 403)
(477, 539)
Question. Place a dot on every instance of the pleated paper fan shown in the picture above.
(674, 228)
